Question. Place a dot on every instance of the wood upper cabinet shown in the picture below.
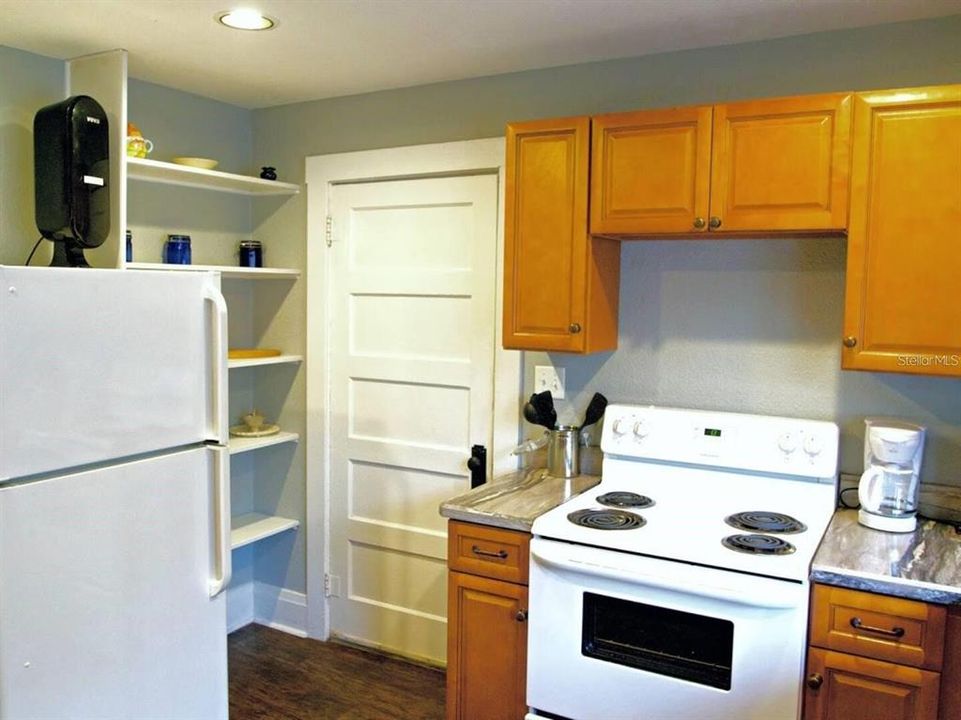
(781, 164)
(764, 165)
(560, 285)
(902, 303)
(651, 171)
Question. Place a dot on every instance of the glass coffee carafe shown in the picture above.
(888, 491)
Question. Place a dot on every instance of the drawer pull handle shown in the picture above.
(815, 680)
(521, 616)
(500, 554)
(893, 632)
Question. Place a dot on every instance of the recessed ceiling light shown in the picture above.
(245, 19)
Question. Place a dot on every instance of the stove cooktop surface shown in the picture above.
(691, 519)
(739, 492)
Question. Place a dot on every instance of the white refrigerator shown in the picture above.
(114, 495)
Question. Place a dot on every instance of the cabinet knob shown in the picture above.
(575, 328)
(521, 616)
(850, 341)
(815, 681)
(715, 222)
(699, 223)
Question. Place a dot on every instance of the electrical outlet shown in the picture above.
(548, 377)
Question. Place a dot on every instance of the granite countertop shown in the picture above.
(923, 565)
(514, 501)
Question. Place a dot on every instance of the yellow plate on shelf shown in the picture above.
(197, 162)
(248, 353)
(264, 431)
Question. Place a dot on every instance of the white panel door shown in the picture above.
(412, 277)
(105, 594)
(97, 365)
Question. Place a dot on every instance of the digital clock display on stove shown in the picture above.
(712, 432)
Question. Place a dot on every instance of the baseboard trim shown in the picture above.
(280, 608)
(265, 604)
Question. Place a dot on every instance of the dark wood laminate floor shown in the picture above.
(281, 677)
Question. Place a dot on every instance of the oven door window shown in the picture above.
(659, 640)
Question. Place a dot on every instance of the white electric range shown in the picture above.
(678, 587)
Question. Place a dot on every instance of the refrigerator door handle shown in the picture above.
(219, 352)
(221, 520)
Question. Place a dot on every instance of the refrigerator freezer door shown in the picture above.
(105, 583)
(97, 365)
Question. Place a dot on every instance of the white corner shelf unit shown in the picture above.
(104, 76)
(187, 176)
(246, 444)
(253, 527)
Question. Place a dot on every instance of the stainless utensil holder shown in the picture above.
(564, 452)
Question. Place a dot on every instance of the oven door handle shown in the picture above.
(679, 578)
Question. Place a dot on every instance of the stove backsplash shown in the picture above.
(754, 326)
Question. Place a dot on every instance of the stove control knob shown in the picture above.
(621, 425)
(787, 443)
(812, 445)
(640, 430)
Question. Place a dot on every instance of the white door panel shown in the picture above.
(411, 377)
(105, 594)
(101, 364)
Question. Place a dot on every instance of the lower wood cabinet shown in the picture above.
(486, 624)
(874, 657)
(848, 687)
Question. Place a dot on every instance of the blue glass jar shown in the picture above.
(177, 250)
(251, 253)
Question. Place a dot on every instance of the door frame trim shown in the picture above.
(322, 172)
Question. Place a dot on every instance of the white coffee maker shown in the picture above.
(888, 491)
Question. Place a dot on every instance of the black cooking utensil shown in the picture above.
(595, 410)
(530, 414)
(543, 403)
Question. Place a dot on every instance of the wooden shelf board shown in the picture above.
(246, 444)
(173, 174)
(253, 362)
(228, 271)
(253, 527)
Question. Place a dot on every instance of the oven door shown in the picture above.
(614, 636)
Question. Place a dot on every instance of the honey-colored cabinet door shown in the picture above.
(651, 171)
(486, 649)
(560, 286)
(781, 164)
(949, 707)
(902, 303)
(847, 687)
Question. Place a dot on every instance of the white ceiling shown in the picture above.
(327, 48)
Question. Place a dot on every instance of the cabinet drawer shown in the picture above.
(487, 551)
(877, 626)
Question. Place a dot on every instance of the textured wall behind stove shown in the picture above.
(752, 326)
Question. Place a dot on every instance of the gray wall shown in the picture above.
(27, 83)
(737, 325)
